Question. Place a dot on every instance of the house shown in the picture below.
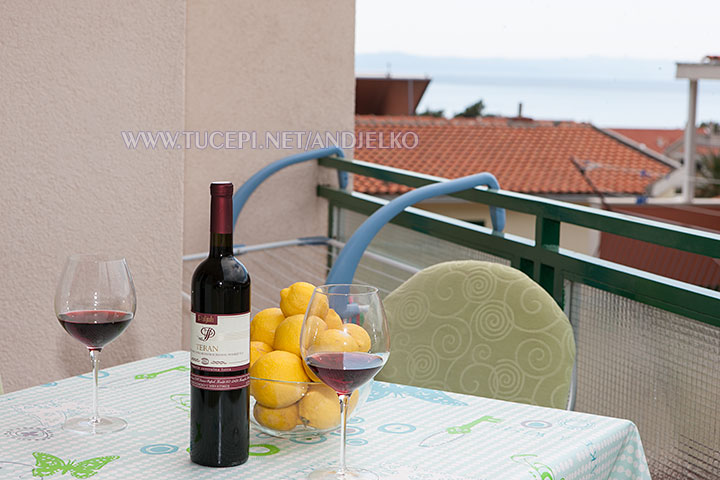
(702, 214)
(658, 140)
(669, 262)
(388, 95)
(671, 143)
(563, 160)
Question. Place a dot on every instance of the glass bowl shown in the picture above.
(294, 409)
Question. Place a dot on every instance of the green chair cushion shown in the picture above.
(483, 329)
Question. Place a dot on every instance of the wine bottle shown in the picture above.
(220, 345)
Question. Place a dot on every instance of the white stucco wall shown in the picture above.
(257, 66)
(74, 75)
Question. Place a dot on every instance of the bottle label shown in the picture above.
(220, 383)
(220, 343)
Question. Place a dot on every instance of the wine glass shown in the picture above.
(94, 302)
(345, 350)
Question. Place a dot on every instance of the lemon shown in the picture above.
(333, 320)
(319, 305)
(320, 407)
(360, 335)
(282, 419)
(287, 335)
(294, 300)
(278, 365)
(310, 374)
(258, 349)
(334, 341)
(263, 325)
(314, 326)
(353, 401)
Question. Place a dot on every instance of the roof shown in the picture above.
(388, 95)
(670, 141)
(708, 69)
(524, 155)
(668, 262)
(656, 139)
(684, 266)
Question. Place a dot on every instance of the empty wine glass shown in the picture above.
(94, 302)
(345, 350)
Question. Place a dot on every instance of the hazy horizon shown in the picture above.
(518, 59)
(606, 91)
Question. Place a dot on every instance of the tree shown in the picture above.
(709, 169)
(713, 127)
(473, 111)
(432, 113)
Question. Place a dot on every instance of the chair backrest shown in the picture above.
(483, 329)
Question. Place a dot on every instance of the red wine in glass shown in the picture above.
(344, 371)
(95, 328)
(95, 302)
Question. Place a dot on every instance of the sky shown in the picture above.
(652, 29)
(611, 63)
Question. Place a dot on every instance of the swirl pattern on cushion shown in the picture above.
(483, 329)
(451, 340)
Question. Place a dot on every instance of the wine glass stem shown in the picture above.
(95, 418)
(343, 428)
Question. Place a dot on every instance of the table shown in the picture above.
(401, 433)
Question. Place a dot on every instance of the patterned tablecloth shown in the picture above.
(401, 433)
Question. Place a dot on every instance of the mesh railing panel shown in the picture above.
(274, 269)
(658, 369)
(407, 246)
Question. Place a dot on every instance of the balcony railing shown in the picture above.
(648, 347)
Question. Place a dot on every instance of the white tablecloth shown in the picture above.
(401, 432)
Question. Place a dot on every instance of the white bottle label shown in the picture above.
(220, 343)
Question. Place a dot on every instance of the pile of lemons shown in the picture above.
(275, 355)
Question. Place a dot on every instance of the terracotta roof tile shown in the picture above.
(525, 155)
(657, 139)
(684, 266)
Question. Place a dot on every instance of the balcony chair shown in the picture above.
(480, 328)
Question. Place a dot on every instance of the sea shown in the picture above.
(607, 92)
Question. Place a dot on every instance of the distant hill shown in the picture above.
(581, 68)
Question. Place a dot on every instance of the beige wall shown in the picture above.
(73, 75)
(261, 66)
(572, 237)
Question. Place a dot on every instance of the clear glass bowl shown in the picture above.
(303, 408)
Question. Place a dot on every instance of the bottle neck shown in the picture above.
(221, 244)
(221, 237)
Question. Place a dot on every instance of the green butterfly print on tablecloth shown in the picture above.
(47, 465)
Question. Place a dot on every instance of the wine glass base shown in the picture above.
(350, 474)
(103, 425)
